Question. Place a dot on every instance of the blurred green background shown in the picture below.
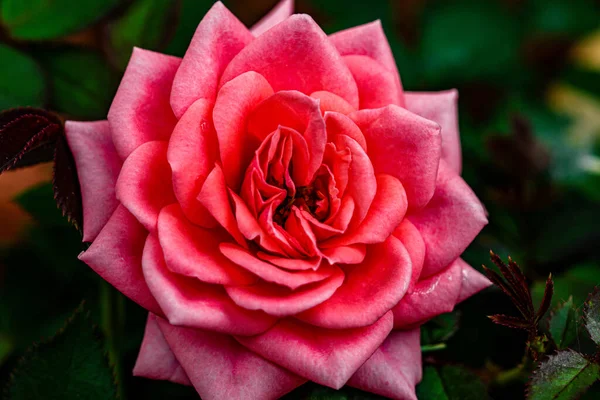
(528, 74)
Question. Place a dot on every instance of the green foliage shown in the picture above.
(82, 82)
(563, 376)
(592, 316)
(450, 382)
(564, 324)
(49, 19)
(190, 14)
(562, 17)
(21, 80)
(440, 328)
(578, 281)
(146, 24)
(71, 365)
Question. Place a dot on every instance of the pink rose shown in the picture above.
(280, 206)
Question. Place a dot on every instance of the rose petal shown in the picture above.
(235, 101)
(332, 102)
(369, 291)
(280, 301)
(472, 281)
(192, 154)
(430, 297)
(272, 273)
(116, 255)
(189, 302)
(292, 264)
(98, 166)
(339, 124)
(440, 107)
(144, 185)
(411, 239)
(140, 111)
(376, 85)
(368, 40)
(194, 251)
(296, 55)
(325, 356)
(394, 369)
(213, 196)
(278, 14)
(218, 38)
(450, 222)
(156, 360)
(221, 368)
(353, 254)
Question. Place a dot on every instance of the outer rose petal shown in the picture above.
(189, 302)
(325, 356)
(98, 166)
(411, 238)
(221, 368)
(235, 101)
(218, 38)
(144, 185)
(156, 360)
(376, 85)
(194, 252)
(192, 154)
(368, 40)
(116, 255)
(450, 222)
(405, 146)
(440, 107)
(296, 55)
(280, 301)
(430, 297)
(472, 281)
(369, 291)
(394, 369)
(278, 14)
(140, 111)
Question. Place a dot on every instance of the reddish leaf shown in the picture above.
(545, 305)
(66, 184)
(507, 289)
(520, 276)
(518, 283)
(511, 322)
(26, 136)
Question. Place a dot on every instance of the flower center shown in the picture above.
(306, 198)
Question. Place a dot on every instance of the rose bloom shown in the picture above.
(280, 206)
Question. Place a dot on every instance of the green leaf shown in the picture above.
(467, 41)
(144, 25)
(49, 19)
(21, 80)
(190, 14)
(564, 323)
(83, 85)
(450, 382)
(577, 282)
(71, 365)
(440, 328)
(563, 376)
(592, 315)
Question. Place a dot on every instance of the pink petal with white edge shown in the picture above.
(369, 291)
(325, 356)
(440, 107)
(430, 297)
(192, 154)
(394, 369)
(376, 85)
(235, 102)
(155, 359)
(144, 185)
(194, 252)
(472, 281)
(411, 238)
(280, 301)
(221, 368)
(403, 145)
(296, 55)
(278, 14)
(450, 222)
(98, 166)
(140, 111)
(189, 302)
(368, 40)
(218, 38)
(116, 255)
(332, 102)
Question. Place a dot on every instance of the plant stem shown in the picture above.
(112, 308)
